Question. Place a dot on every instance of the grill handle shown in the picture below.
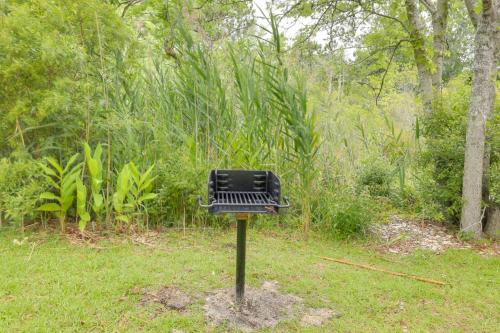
(202, 205)
(286, 205)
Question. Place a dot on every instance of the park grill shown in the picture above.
(243, 192)
(240, 191)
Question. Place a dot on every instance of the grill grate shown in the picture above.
(244, 198)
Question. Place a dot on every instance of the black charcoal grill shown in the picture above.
(243, 192)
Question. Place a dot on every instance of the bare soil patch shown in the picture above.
(262, 308)
(316, 317)
(404, 236)
(152, 238)
(171, 297)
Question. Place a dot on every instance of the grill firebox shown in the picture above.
(241, 191)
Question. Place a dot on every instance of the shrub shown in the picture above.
(343, 214)
(375, 177)
(21, 183)
(444, 151)
(179, 181)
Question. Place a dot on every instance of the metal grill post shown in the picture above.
(243, 192)
(240, 256)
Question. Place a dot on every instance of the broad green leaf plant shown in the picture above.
(119, 197)
(64, 183)
(94, 168)
(81, 205)
(133, 189)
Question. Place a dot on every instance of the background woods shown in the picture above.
(112, 112)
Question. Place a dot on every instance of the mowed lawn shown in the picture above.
(56, 286)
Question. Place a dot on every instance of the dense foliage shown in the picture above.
(113, 115)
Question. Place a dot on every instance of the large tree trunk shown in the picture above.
(481, 107)
(417, 39)
(492, 221)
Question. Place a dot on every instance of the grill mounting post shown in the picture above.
(241, 239)
(243, 193)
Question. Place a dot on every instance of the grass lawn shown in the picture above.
(59, 287)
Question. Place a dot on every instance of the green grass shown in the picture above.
(64, 288)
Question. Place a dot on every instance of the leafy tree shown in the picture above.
(54, 55)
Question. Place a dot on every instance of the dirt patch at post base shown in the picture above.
(262, 307)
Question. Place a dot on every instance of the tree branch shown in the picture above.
(289, 10)
(431, 7)
(222, 3)
(474, 17)
(387, 69)
(318, 22)
(374, 12)
(128, 4)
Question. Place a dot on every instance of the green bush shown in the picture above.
(21, 183)
(444, 150)
(414, 199)
(375, 177)
(179, 181)
(343, 214)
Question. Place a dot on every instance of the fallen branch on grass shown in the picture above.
(31, 252)
(414, 277)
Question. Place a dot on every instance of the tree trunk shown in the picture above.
(439, 23)
(417, 38)
(491, 221)
(492, 227)
(481, 107)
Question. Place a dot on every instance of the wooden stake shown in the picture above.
(414, 277)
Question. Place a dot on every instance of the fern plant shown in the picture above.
(63, 180)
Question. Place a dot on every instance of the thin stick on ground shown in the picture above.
(414, 277)
(31, 252)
